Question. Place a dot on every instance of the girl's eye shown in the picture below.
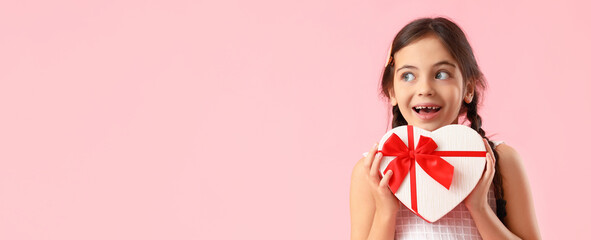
(408, 77)
(442, 75)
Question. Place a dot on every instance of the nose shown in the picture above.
(424, 87)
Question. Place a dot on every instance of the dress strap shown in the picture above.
(496, 143)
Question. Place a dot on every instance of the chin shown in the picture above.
(429, 126)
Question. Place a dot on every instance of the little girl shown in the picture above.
(431, 78)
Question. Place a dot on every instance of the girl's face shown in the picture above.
(428, 84)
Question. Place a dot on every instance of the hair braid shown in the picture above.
(476, 123)
(397, 118)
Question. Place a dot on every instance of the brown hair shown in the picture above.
(453, 38)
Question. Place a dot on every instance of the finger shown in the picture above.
(486, 165)
(488, 148)
(491, 172)
(386, 180)
(490, 169)
(492, 163)
(484, 179)
(374, 171)
(494, 159)
(370, 156)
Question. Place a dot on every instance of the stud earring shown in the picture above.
(468, 98)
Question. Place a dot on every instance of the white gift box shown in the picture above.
(441, 172)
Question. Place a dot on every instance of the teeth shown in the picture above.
(419, 108)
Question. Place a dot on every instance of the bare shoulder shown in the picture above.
(358, 168)
(508, 156)
(510, 163)
(512, 171)
(507, 151)
(521, 218)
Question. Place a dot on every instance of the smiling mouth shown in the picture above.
(421, 110)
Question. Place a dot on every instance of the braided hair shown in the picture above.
(453, 38)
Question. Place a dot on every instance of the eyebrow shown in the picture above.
(444, 62)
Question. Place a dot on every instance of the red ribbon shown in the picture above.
(425, 155)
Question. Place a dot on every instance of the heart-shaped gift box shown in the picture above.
(434, 171)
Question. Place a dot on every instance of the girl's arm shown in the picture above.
(373, 206)
(521, 219)
(521, 215)
(366, 221)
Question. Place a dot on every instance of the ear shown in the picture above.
(392, 98)
(469, 92)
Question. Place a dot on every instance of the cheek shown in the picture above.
(401, 92)
(452, 95)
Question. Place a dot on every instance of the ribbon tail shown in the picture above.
(437, 168)
(400, 167)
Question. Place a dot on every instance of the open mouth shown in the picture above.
(425, 110)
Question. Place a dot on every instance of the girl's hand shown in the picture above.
(385, 201)
(478, 198)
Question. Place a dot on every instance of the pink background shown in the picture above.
(243, 119)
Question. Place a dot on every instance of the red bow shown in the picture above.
(439, 169)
